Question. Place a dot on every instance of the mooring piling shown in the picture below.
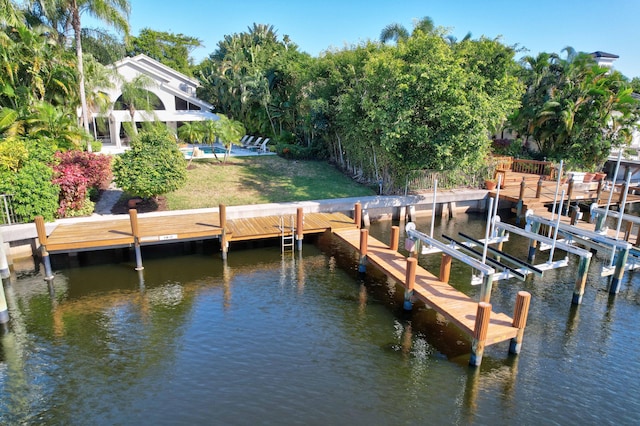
(445, 268)
(42, 239)
(364, 241)
(357, 215)
(478, 342)
(410, 281)
(4, 263)
(224, 244)
(581, 280)
(395, 238)
(135, 230)
(520, 314)
(299, 228)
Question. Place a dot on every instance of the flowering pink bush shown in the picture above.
(76, 173)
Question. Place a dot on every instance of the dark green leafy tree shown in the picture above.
(170, 49)
(152, 167)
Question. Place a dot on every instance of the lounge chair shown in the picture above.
(254, 145)
(263, 145)
(249, 142)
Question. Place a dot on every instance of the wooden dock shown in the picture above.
(454, 305)
(99, 235)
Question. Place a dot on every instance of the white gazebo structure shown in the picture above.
(174, 99)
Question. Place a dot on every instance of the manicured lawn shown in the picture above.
(258, 180)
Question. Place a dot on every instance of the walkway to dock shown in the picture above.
(454, 305)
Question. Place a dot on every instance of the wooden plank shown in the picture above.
(454, 305)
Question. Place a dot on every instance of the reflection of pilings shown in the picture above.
(226, 278)
(224, 244)
(302, 277)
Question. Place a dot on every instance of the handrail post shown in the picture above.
(410, 280)
(135, 230)
(539, 188)
(483, 315)
(520, 314)
(563, 210)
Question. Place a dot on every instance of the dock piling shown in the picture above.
(4, 264)
(483, 316)
(224, 244)
(520, 314)
(357, 215)
(299, 227)
(135, 230)
(395, 238)
(621, 261)
(4, 311)
(581, 280)
(42, 239)
(364, 241)
(445, 268)
(410, 280)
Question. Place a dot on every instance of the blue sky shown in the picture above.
(315, 26)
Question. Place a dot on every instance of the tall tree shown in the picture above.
(114, 13)
(170, 49)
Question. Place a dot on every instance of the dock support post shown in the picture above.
(628, 230)
(357, 215)
(539, 188)
(625, 185)
(520, 204)
(575, 215)
(299, 227)
(619, 271)
(521, 311)
(445, 268)
(366, 220)
(224, 244)
(564, 210)
(411, 213)
(133, 218)
(395, 238)
(485, 288)
(581, 280)
(4, 264)
(599, 191)
(364, 244)
(410, 280)
(42, 238)
(535, 227)
(483, 316)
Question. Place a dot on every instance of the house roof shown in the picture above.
(599, 54)
(155, 67)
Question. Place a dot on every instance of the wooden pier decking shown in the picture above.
(99, 235)
(454, 305)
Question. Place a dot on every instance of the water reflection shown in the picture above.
(265, 338)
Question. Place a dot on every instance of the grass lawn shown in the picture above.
(259, 180)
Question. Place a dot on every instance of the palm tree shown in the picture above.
(112, 12)
(136, 95)
(393, 32)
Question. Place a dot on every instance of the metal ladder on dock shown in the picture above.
(288, 242)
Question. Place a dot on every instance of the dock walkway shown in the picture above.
(454, 305)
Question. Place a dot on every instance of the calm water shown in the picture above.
(279, 340)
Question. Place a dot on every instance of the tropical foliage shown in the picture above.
(153, 166)
(574, 109)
